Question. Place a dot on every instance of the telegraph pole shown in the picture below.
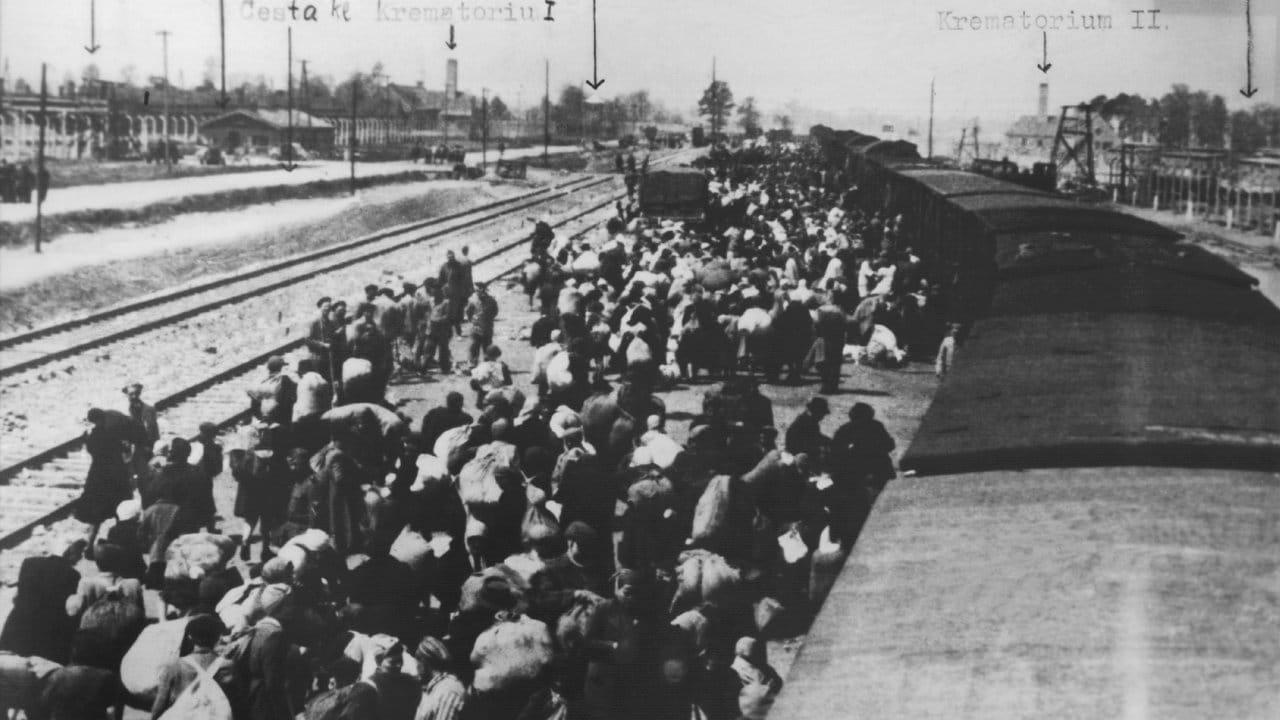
(44, 100)
(715, 100)
(546, 115)
(931, 97)
(168, 157)
(484, 130)
(355, 96)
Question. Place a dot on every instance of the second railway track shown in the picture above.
(42, 488)
(58, 341)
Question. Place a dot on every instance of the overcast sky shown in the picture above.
(838, 55)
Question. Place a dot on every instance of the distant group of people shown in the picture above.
(21, 184)
(440, 154)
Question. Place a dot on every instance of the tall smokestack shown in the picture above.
(1044, 100)
(451, 78)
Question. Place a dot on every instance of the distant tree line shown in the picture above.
(1182, 118)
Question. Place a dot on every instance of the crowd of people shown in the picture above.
(22, 184)
(552, 551)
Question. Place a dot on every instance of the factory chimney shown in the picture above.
(1044, 100)
(451, 78)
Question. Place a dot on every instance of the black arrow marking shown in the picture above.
(451, 43)
(596, 81)
(550, 4)
(93, 45)
(1249, 90)
(1044, 66)
(222, 33)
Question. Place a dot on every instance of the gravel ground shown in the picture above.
(43, 406)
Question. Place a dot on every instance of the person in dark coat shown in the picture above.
(210, 450)
(439, 419)
(107, 484)
(42, 183)
(26, 183)
(339, 502)
(866, 446)
(830, 330)
(454, 280)
(805, 434)
(38, 624)
(124, 535)
(262, 493)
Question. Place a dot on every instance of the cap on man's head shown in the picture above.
(275, 363)
(432, 651)
(325, 300)
(580, 532)
(370, 289)
(208, 428)
(818, 404)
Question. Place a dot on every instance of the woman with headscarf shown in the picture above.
(38, 624)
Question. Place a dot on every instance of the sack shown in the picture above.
(199, 552)
(119, 617)
(433, 474)
(638, 353)
(157, 646)
(755, 322)
(203, 699)
(766, 611)
(517, 648)
(412, 549)
(450, 440)
(488, 375)
(579, 622)
(558, 375)
(651, 495)
(470, 598)
(587, 264)
(824, 567)
(663, 450)
(711, 516)
(356, 370)
(304, 550)
(703, 576)
(478, 483)
(21, 680)
(364, 650)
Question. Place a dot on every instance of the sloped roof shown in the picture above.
(1046, 126)
(277, 119)
(413, 97)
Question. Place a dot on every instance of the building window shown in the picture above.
(1040, 143)
(261, 140)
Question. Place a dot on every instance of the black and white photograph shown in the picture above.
(639, 359)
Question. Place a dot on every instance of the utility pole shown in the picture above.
(715, 100)
(168, 156)
(286, 153)
(546, 115)
(306, 93)
(355, 98)
(44, 101)
(931, 97)
(484, 130)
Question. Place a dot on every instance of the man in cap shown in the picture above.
(210, 450)
(203, 632)
(398, 693)
(453, 279)
(145, 415)
(271, 401)
(443, 694)
(482, 311)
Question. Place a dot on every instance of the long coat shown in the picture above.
(38, 624)
(107, 484)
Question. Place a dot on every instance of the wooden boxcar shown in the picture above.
(674, 193)
(1092, 528)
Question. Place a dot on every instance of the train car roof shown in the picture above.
(891, 149)
(1129, 384)
(1013, 212)
(1107, 593)
(958, 183)
(676, 171)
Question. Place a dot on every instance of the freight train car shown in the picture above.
(1091, 527)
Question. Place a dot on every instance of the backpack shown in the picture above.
(203, 699)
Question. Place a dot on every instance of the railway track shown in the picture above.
(58, 341)
(43, 487)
